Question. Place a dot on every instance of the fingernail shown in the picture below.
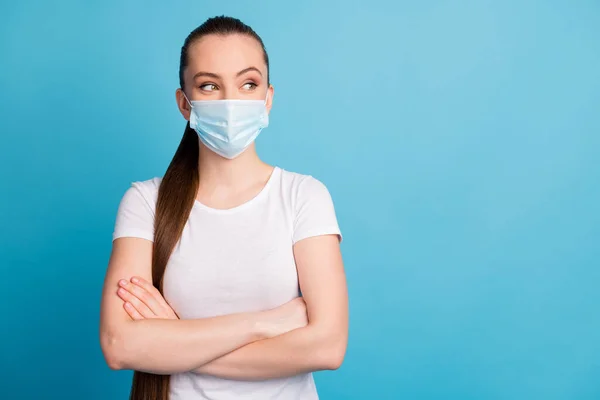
(123, 282)
(134, 280)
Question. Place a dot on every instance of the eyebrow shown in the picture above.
(216, 76)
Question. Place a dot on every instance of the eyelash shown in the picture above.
(254, 85)
(208, 84)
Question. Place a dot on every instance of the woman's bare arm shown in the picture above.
(167, 346)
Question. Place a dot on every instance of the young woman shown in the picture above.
(202, 293)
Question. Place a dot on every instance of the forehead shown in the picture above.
(225, 55)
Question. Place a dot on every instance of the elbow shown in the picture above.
(333, 352)
(334, 359)
(110, 342)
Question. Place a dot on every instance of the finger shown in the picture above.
(143, 295)
(133, 313)
(158, 297)
(137, 303)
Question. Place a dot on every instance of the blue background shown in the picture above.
(460, 141)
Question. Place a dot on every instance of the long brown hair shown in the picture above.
(177, 193)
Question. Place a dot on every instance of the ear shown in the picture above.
(271, 93)
(182, 104)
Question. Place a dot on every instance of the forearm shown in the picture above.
(299, 351)
(167, 346)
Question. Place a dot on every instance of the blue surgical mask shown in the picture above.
(230, 126)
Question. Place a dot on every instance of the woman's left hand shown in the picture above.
(143, 300)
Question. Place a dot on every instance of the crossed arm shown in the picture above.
(247, 346)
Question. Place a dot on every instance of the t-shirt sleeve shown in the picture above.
(135, 216)
(314, 211)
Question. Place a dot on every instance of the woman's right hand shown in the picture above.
(287, 317)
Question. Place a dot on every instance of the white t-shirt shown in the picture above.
(236, 260)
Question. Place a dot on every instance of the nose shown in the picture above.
(229, 93)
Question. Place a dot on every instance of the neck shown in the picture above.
(238, 172)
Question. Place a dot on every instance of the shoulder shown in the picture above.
(313, 209)
(135, 216)
(304, 188)
(145, 191)
(149, 186)
(300, 183)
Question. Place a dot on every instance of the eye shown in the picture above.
(249, 86)
(209, 87)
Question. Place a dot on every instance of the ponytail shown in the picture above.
(176, 196)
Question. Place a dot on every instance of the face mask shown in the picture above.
(228, 126)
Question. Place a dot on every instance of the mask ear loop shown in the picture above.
(186, 99)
